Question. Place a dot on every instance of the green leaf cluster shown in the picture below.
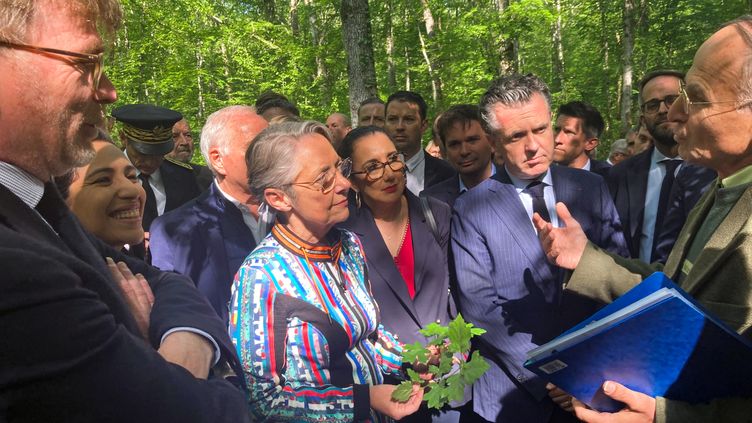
(441, 358)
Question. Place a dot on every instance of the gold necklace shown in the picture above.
(404, 235)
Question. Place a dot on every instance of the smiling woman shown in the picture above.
(107, 197)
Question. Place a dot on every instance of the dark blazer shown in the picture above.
(71, 350)
(436, 170)
(204, 176)
(600, 167)
(628, 183)
(507, 286)
(400, 314)
(180, 187)
(691, 182)
(206, 240)
(446, 191)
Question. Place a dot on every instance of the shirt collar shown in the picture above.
(587, 165)
(741, 177)
(230, 198)
(521, 184)
(464, 188)
(415, 160)
(21, 183)
(658, 157)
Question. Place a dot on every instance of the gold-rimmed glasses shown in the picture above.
(97, 60)
(375, 170)
(326, 181)
(686, 102)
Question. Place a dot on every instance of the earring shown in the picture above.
(357, 199)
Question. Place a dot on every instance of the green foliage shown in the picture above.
(198, 56)
(450, 374)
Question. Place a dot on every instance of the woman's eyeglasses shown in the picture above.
(375, 170)
(326, 181)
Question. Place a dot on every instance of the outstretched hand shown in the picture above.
(563, 246)
(638, 407)
(382, 402)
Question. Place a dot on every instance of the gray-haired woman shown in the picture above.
(302, 316)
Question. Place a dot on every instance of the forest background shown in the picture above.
(197, 56)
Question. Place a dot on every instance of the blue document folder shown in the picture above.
(654, 339)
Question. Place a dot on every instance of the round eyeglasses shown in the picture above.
(653, 106)
(326, 181)
(96, 60)
(375, 170)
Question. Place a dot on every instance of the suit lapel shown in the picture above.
(637, 188)
(505, 202)
(718, 244)
(23, 219)
(380, 261)
(422, 236)
(682, 243)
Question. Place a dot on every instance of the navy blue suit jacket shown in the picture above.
(600, 167)
(206, 240)
(400, 314)
(507, 286)
(436, 170)
(71, 349)
(446, 191)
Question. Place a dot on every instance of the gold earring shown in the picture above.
(357, 199)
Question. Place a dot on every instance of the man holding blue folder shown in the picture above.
(712, 257)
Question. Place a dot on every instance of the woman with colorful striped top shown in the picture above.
(302, 316)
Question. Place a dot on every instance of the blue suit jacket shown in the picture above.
(205, 239)
(400, 314)
(507, 286)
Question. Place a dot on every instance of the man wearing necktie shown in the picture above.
(147, 136)
(505, 284)
(75, 346)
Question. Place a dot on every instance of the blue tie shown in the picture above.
(535, 189)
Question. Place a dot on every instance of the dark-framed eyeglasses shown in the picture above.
(326, 181)
(96, 60)
(686, 102)
(375, 170)
(652, 106)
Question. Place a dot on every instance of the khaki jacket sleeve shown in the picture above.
(736, 410)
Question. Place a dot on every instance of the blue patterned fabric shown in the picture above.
(307, 330)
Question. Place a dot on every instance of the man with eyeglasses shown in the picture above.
(641, 185)
(207, 239)
(71, 348)
(712, 257)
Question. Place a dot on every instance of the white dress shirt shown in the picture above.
(157, 186)
(652, 197)
(416, 172)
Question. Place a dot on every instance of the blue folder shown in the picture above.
(655, 339)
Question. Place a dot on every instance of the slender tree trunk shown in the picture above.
(428, 18)
(199, 66)
(391, 67)
(407, 70)
(226, 69)
(605, 79)
(557, 61)
(435, 79)
(628, 45)
(508, 49)
(321, 70)
(294, 25)
(356, 34)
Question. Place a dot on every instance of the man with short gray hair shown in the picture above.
(505, 284)
(208, 238)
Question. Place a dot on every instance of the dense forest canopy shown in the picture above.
(197, 56)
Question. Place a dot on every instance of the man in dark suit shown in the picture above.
(208, 238)
(641, 185)
(146, 136)
(505, 283)
(406, 122)
(183, 152)
(467, 149)
(72, 349)
(578, 130)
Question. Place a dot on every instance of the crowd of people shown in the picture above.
(280, 281)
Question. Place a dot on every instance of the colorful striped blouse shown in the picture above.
(307, 331)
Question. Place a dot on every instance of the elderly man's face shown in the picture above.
(526, 140)
(51, 110)
(183, 150)
(716, 135)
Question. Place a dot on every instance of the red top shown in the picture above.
(405, 261)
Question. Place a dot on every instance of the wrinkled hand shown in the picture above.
(190, 351)
(563, 246)
(560, 397)
(137, 294)
(382, 402)
(639, 408)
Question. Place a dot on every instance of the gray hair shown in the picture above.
(272, 160)
(618, 146)
(508, 91)
(219, 131)
(16, 15)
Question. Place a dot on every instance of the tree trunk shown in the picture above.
(321, 71)
(407, 70)
(626, 63)
(356, 34)
(508, 49)
(199, 66)
(294, 25)
(391, 67)
(435, 79)
(557, 61)
(605, 79)
(428, 18)
(226, 69)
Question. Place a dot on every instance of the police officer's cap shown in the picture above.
(147, 127)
